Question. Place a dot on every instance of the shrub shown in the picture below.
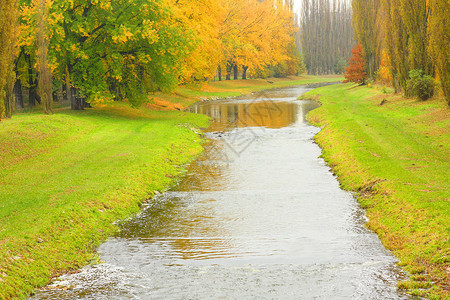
(356, 70)
(339, 65)
(420, 85)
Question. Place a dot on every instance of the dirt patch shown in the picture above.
(160, 104)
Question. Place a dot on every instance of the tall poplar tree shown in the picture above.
(326, 34)
(8, 32)
(365, 18)
(439, 39)
(45, 86)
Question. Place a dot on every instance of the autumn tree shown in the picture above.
(414, 34)
(365, 19)
(356, 70)
(439, 37)
(108, 50)
(44, 71)
(117, 49)
(203, 20)
(255, 36)
(8, 33)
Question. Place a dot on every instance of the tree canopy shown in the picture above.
(356, 70)
(98, 51)
(404, 36)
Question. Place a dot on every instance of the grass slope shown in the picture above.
(396, 156)
(65, 178)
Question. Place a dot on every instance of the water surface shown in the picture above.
(258, 216)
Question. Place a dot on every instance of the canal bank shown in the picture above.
(258, 215)
(394, 152)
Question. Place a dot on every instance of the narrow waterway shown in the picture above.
(259, 216)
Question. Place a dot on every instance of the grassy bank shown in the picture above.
(396, 157)
(67, 177)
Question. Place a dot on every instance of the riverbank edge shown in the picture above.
(427, 267)
(37, 264)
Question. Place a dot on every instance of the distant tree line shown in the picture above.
(87, 51)
(405, 42)
(326, 35)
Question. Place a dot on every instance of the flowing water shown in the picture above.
(258, 216)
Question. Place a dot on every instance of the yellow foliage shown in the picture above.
(384, 72)
(202, 19)
(256, 34)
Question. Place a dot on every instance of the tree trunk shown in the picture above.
(76, 102)
(244, 72)
(45, 86)
(64, 91)
(229, 67)
(235, 71)
(59, 94)
(219, 72)
(9, 100)
(32, 87)
(18, 94)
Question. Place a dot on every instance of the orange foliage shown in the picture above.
(356, 70)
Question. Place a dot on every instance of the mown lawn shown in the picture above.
(65, 178)
(397, 157)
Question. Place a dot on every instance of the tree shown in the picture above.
(356, 70)
(325, 34)
(439, 31)
(366, 14)
(110, 50)
(8, 33)
(256, 35)
(203, 20)
(45, 86)
(123, 49)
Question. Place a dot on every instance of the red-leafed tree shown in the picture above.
(356, 70)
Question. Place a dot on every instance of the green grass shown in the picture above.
(396, 156)
(65, 178)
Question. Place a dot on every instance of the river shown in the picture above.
(258, 216)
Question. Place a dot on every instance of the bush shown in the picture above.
(420, 85)
(339, 65)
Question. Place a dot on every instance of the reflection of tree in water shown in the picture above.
(181, 222)
(207, 172)
(268, 114)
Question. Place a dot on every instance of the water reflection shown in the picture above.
(265, 113)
